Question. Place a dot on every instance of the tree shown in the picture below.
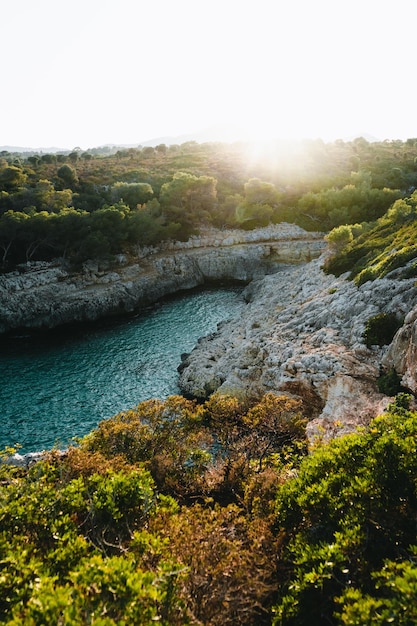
(132, 194)
(145, 227)
(39, 233)
(73, 156)
(11, 178)
(260, 201)
(48, 158)
(253, 215)
(11, 228)
(226, 213)
(190, 193)
(47, 198)
(358, 201)
(260, 192)
(109, 230)
(34, 160)
(71, 231)
(148, 151)
(161, 148)
(189, 200)
(68, 175)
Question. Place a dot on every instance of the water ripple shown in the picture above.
(60, 387)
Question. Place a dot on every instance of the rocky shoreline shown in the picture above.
(302, 334)
(44, 296)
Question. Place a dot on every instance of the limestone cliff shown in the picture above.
(44, 296)
(302, 334)
(402, 353)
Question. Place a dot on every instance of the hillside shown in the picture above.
(372, 250)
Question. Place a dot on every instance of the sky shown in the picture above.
(87, 73)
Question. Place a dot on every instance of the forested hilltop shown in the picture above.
(94, 204)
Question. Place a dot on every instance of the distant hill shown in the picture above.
(209, 134)
(32, 150)
(219, 133)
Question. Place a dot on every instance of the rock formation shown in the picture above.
(302, 334)
(47, 296)
(402, 353)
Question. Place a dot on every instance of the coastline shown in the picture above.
(46, 296)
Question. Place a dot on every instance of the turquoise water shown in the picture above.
(58, 386)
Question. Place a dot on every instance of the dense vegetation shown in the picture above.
(179, 513)
(164, 513)
(372, 250)
(94, 204)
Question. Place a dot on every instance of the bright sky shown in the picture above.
(90, 72)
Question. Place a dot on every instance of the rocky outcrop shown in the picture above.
(47, 296)
(402, 353)
(302, 334)
(214, 238)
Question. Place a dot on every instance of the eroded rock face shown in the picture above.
(46, 297)
(302, 333)
(402, 353)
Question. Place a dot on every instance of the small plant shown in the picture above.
(380, 329)
(410, 271)
(401, 404)
(389, 383)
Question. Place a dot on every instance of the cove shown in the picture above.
(57, 386)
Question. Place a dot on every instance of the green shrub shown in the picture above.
(380, 329)
(347, 522)
(102, 591)
(389, 383)
(379, 248)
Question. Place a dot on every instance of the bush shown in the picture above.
(167, 437)
(328, 538)
(229, 560)
(350, 511)
(389, 383)
(381, 328)
(65, 549)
